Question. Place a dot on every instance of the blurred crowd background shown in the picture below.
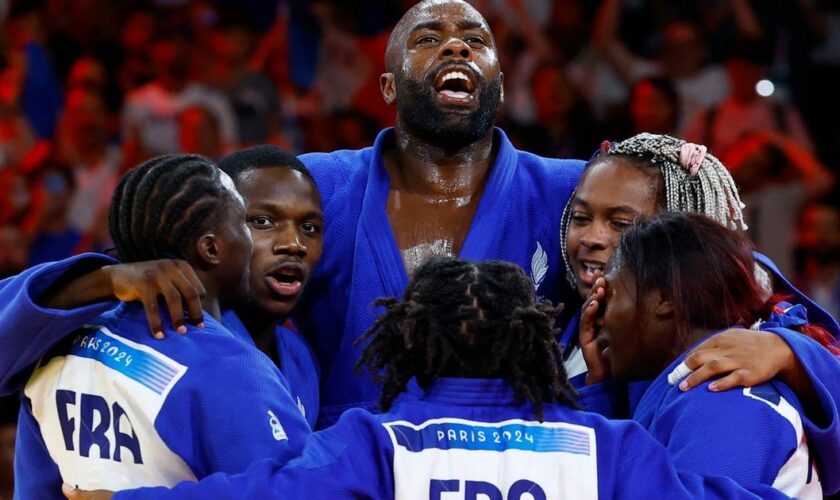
(89, 88)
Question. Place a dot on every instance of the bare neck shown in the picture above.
(422, 167)
(261, 327)
(210, 302)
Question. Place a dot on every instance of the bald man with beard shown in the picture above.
(442, 181)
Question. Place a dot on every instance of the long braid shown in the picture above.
(161, 205)
(711, 192)
(460, 318)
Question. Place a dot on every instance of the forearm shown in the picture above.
(27, 329)
(798, 380)
(78, 287)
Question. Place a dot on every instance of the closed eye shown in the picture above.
(580, 219)
(621, 224)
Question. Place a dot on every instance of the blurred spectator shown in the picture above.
(150, 116)
(74, 28)
(654, 107)
(351, 130)
(744, 110)
(563, 125)
(343, 68)
(9, 407)
(776, 176)
(136, 37)
(40, 91)
(14, 252)
(55, 238)
(818, 254)
(82, 147)
(91, 74)
(18, 205)
(681, 59)
(198, 133)
(16, 136)
(251, 94)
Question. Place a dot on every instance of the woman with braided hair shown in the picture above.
(109, 406)
(493, 416)
(647, 174)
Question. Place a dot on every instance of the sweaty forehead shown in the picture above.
(439, 11)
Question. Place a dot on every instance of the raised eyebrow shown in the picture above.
(428, 25)
(468, 24)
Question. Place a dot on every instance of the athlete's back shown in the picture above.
(469, 438)
(112, 407)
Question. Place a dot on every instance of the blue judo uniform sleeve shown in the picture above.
(434, 447)
(110, 407)
(27, 331)
(753, 434)
(823, 433)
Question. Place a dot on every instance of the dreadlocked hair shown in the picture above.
(711, 192)
(162, 205)
(471, 320)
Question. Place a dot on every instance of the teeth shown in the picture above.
(453, 75)
(591, 268)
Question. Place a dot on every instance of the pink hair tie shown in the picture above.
(692, 156)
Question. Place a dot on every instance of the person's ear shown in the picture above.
(386, 86)
(207, 249)
(664, 308)
(502, 88)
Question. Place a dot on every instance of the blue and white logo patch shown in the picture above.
(498, 460)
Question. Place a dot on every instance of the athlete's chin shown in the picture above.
(276, 306)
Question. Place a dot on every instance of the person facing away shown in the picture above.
(110, 406)
(492, 413)
(674, 281)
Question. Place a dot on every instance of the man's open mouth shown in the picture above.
(455, 85)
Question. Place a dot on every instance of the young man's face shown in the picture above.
(283, 213)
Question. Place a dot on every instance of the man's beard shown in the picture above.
(450, 130)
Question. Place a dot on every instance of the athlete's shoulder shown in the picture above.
(566, 171)
(540, 165)
(770, 407)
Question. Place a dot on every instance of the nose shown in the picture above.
(596, 237)
(455, 48)
(289, 242)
